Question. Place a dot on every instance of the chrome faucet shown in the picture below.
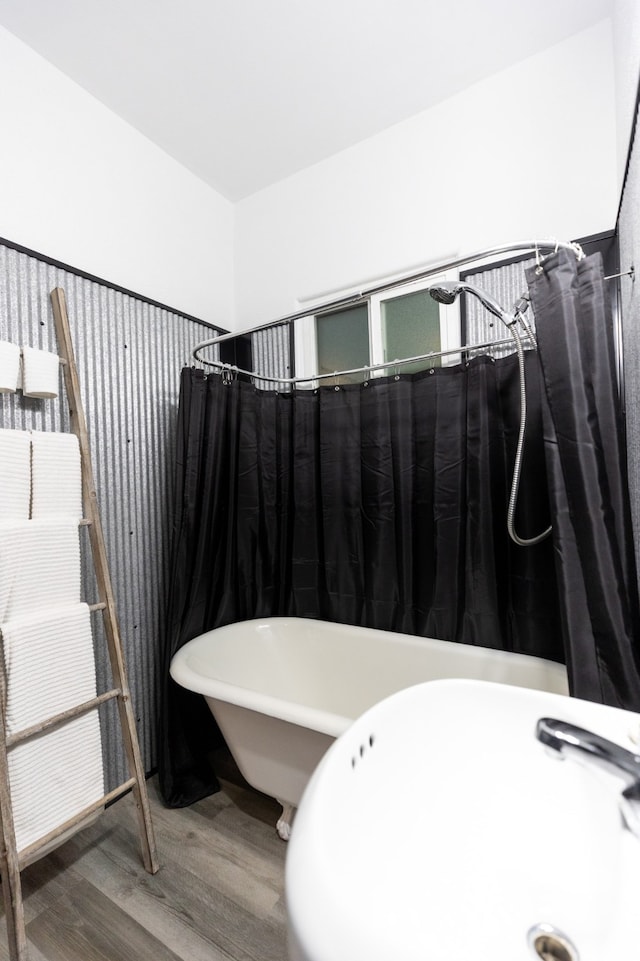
(568, 740)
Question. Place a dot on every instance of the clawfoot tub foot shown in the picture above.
(283, 825)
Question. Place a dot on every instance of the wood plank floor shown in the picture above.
(218, 896)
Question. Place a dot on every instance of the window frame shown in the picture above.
(305, 331)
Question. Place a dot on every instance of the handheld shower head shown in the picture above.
(446, 291)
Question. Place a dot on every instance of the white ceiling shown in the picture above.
(246, 92)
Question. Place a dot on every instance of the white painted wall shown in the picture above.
(626, 47)
(529, 152)
(509, 158)
(80, 185)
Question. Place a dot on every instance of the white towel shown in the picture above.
(54, 776)
(9, 367)
(49, 664)
(15, 474)
(40, 373)
(39, 565)
(56, 477)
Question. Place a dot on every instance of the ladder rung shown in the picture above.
(100, 606)
(60, 718)
(30, 852)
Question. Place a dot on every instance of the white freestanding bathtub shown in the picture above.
(282, 689)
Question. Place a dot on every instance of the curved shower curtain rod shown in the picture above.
(534, 246)
(231, 371)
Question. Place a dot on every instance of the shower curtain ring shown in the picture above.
(539, 267)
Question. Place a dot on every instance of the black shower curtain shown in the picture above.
(384, 505)
(587, 481)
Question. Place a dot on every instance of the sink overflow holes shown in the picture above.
(363, 748)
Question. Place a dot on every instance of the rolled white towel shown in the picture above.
(56, 477)
(39, 565)
(54, 776)
(9, 367)
(40, 373)
(15, 474)
(49, 664)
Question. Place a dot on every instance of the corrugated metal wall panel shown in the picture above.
(129, 355)
(272, 355)
(506, 284)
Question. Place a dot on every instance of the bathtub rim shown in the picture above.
(216, 690)
(296, 712)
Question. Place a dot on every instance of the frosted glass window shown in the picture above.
(410, 327)
(343, 342)
(369, 336)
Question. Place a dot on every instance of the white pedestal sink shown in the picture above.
(438, 828)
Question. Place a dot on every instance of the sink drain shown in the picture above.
(549, 944)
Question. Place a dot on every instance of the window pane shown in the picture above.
(410, 326)
(343, 341)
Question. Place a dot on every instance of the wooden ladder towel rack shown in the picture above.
(11, 861)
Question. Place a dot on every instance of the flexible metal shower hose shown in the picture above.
(517, 467)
